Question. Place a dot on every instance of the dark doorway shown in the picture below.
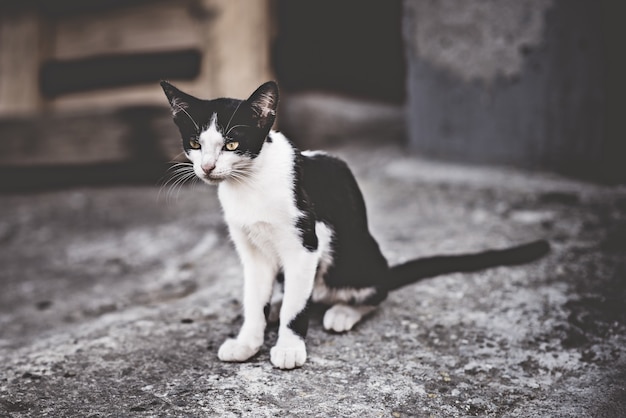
(352, 47)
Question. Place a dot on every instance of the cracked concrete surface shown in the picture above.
(115, 300)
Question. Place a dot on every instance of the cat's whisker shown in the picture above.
(165, 183)
(194, 182)
(236, 126)
(180, 164)
(239, 176)
(238, 179)
(244, 178)
(178, 184)
(173, 173)
(177, 165)
(178, 174)
(177, 188)
(168, 187)
(176, 158)
(181, 171)
(172, 193)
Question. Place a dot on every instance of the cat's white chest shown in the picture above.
(249, 207)
(264, 237)
(265, 221)
(267, 196)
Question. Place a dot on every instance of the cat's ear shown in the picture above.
(179, 101)
(264, 102)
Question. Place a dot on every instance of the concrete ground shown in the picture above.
(114, 301)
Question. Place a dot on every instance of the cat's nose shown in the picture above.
(207, 168)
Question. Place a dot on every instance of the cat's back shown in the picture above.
(332, 188)
(323, 173)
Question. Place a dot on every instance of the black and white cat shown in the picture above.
(297, 218)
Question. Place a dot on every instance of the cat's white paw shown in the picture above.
(236, 351)
(341, 318)
(288, 356)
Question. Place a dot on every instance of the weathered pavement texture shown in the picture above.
(114, 301)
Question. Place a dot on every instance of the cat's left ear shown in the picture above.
(264, 102)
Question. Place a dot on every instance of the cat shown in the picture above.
(298, 219)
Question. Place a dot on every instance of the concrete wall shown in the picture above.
(509, 82)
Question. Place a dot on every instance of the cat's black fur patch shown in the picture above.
(336, 200)
(327, 186)
(300, 324)
(306, 222)
(306, 226)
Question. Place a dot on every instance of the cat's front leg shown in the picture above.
(290, 349)
(259, 274)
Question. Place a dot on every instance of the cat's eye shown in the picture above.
(231, 146)
(194, 144)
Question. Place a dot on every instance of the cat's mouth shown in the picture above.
(212, 178)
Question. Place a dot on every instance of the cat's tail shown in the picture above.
(423, 268)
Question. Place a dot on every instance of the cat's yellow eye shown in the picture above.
(194, 144)
(231, 146)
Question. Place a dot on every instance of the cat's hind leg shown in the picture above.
(342, 317)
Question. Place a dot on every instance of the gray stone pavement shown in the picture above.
(113, 302)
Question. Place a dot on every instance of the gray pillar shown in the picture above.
(518, 82)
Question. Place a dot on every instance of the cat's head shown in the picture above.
(222, 137)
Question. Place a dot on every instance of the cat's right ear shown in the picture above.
(179, 101)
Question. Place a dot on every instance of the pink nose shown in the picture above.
(207, 168)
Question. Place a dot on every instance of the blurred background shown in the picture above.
(528, 83)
